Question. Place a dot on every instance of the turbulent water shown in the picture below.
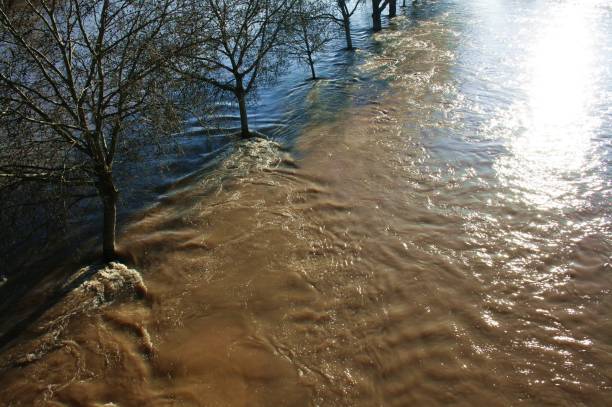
(433, 227)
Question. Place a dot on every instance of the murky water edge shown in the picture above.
(447, 242)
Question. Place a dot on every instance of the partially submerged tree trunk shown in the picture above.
(309, 54)
(376, 21)
(347, 33)
(244, 116)
(392, 8)
(109, 195)
(110, 223)
(313, 73)
(241, 96)
(377, 7)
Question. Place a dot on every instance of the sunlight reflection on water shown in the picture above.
(554, 126)
(438, 235)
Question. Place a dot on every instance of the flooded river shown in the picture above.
(431, 226)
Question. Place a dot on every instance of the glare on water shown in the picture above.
(439, 233)
(554, 125)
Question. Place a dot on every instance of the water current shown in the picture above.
(430, 224)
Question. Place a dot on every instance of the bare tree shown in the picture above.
(309, 32)
(76, 78)
(239, 44)
(346, 10)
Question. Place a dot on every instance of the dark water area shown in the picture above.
(429, 224)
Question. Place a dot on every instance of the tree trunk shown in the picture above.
(377, 23)
(392, 8)
(109, 195)
(312, 67)
(347, 33)
(376, 12)
(244, 117)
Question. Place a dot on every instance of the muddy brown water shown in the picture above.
(448, 243)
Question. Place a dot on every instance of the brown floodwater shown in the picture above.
(447, 240)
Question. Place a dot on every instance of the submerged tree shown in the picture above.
(309, 32)
(346, 11)
(239, 44)
(76, 78)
